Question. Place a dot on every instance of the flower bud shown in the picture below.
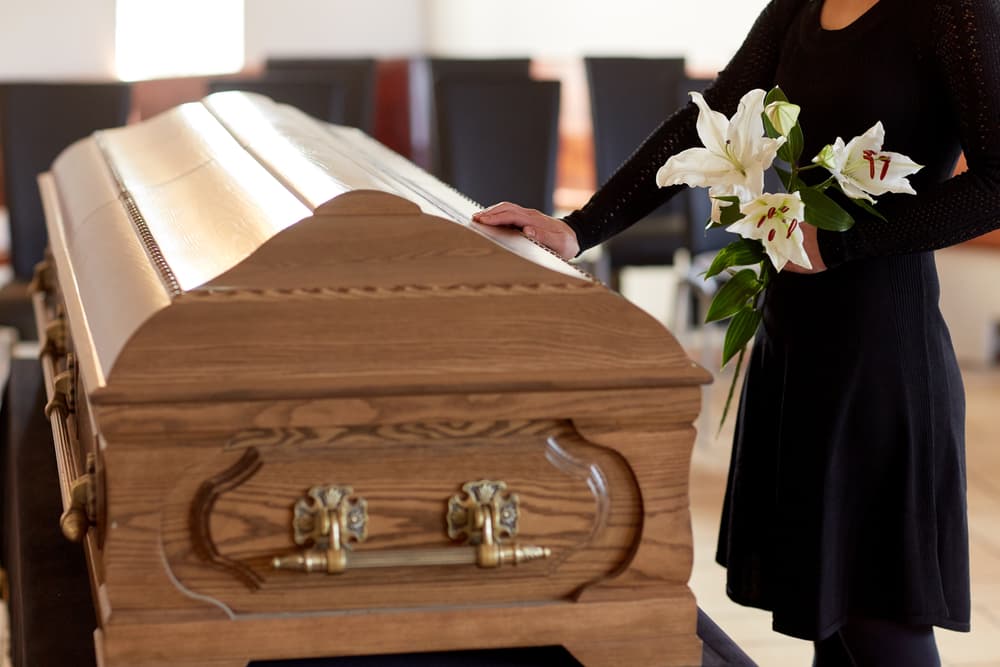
(827, 157)
(783, 116)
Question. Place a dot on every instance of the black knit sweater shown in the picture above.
(958, 45)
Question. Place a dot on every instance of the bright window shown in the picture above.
(159, 39)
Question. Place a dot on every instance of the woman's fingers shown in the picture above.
(504, 213)
(811, 245)
(513, 215)
(550, 232)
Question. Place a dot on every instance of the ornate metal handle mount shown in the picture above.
(330, 520)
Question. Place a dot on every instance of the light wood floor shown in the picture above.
(751, 628)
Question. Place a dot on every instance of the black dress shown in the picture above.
(846, 492)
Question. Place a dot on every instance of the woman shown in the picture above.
(845, 508)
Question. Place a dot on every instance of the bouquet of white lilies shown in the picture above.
(731, 165)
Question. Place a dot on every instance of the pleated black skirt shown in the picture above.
(846, 490)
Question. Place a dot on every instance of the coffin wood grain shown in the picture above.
(677, 406)
(245, 282)
(637, 625)
(341, 345)
(251, 524)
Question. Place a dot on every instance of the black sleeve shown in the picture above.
(965, 37)
(631, 192)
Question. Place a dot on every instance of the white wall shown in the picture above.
(59, 39)
(707, 32)
(75, 38)
(334, 27)
(50, 39)
(970, 303)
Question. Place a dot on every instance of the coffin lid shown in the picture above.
(236, 248)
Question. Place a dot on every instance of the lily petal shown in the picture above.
(746, 123)
(774, 220)
(852, 189)
(697, 167)
(711, 125)
(736, 153)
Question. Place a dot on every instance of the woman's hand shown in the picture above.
(550, 232)
(811, 245)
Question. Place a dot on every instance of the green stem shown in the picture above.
(732, 389)
(766, 273)
(825, 184)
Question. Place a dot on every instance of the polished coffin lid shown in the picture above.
(238, 249)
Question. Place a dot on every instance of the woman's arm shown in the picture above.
(631, 193)
(965, 37)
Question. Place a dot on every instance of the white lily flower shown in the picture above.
(783, 116)
(735, 155)
(863, 169)
(775, 220)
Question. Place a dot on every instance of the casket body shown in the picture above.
(304, 407)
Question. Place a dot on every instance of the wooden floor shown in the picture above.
(751, 628)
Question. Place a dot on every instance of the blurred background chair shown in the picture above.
(355, 77)
(424, 77)
(498, 139)
(37, 121)
(476, 68)
(324, 100)
(629, 98)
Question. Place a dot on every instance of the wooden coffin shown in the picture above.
(304, 407)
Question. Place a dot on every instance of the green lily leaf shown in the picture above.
(734, 295)
(791, 150)
(785, 152)
(785, 176)
(731, 213)
(775, 95)
(743, 252)
(824, 213)
(741, 329)
(798, 142)
(866, 206)
(732, 199)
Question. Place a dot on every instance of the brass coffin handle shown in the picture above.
(81, 514)
(331, 520)
(77, 486)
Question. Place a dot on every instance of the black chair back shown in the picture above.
(629, 98)
(324, 100)
(479, 68)
(37, 121)
(356, 77)
(427, 74)
(499, 139)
